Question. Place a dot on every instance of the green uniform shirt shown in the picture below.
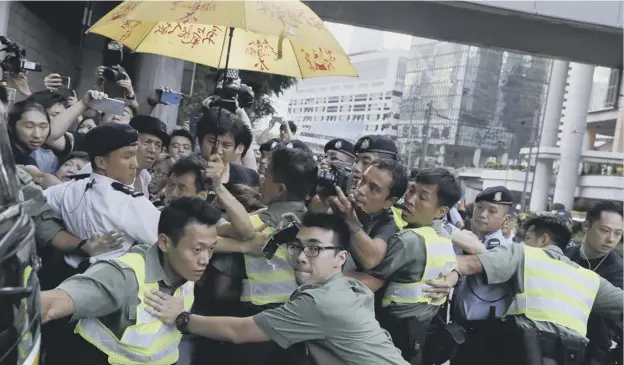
(109, 290)
(505, 264)
(405, 262)
(46, 227)
(336, 321)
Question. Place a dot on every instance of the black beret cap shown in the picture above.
(270, 145)
(376, 143)
(151, 125)
(497, 195)
(108, 137)
(341, 145)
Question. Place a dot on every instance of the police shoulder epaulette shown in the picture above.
(494, 242)
(79, 176)
(126, 189)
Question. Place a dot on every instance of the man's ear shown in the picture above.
(441, 212)
(342, 257)
(164, 243)
(100, 163)
(239, 149)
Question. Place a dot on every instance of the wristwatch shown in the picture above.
(182, 321)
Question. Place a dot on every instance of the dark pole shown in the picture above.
(425, 144)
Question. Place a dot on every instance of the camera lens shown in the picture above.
(111, 75)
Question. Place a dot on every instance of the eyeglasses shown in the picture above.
(309, 251)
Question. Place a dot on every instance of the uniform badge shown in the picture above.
(498, 196)
(290, 145)
(338, 145)
(495, 242)
(365, 144)
(273, 145)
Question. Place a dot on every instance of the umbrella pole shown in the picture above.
(215, 145)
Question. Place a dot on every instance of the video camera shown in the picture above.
(15, 60)
(113, 56)
(229, 90)
(338, 174)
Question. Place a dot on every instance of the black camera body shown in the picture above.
(338, 174)
(113, 73)
(231, 90)
(15, 60)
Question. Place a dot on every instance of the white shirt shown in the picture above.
(144, 176)
(101, 209)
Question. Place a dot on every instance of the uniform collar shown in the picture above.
(101, 181)
(553, 251)
(154, 271)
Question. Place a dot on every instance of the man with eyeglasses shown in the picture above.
(332, 315)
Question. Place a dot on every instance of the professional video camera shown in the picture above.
(113, 55)
(15, 60)
(231, 89)
(338, 174)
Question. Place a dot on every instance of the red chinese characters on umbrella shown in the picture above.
(320, 60)
(123, 11)
(288, 17)
(193, 8)
(262, 50)
(128, 26)
(189, 33)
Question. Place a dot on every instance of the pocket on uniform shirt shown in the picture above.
(132, 308)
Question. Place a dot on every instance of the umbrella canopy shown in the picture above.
(291, 54)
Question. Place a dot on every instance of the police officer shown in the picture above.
(552, 297)
(339, 149)
(603, 231)
(330, 314)
(104, 201)
(108, 300)
(152, 136)
(478, 304)
(266, 283)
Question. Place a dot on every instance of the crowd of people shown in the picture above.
(212, 245)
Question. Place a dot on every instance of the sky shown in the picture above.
(343, 32)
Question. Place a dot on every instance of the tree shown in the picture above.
(263, 85)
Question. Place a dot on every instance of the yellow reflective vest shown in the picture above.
(555, 291)
(27, 349)
(268, 281)
(398, 220)
(149, 341)
(440, 257)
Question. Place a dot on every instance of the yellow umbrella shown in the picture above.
(290, 19)
(208, 45)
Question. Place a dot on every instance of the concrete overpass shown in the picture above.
(581, 31)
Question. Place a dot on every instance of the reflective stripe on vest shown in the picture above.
(268, 281)
(149, 341)
(398, 219)
(555, 291)
(440, 257)
(26, 342)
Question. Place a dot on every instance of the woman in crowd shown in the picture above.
(87, 124)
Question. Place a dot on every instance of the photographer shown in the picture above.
(233, 138)
(368, 212)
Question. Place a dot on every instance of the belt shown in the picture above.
(567, 351)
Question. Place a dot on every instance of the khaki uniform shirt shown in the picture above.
(335, 320)
(46, 226)
(109, 290)
(405, 262)
(505, 264)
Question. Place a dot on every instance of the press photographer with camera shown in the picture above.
(233, 138)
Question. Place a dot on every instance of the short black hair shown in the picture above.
(191, 165)
(399, 176)
(554, 227)
(596, 211)
(291, 124)
(183, 211)
(77, 154)
(211, 124)
(295, 168)
(449, 189)
(332, 222)
(183, 133)
(47, 98)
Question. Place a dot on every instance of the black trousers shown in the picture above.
(483, 345)
(408, 335)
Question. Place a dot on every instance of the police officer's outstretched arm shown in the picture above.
(97, 292)
(500, 264)
(296, 321)
(608, 301)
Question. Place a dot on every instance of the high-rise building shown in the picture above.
(347, 107)
(462, 104)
